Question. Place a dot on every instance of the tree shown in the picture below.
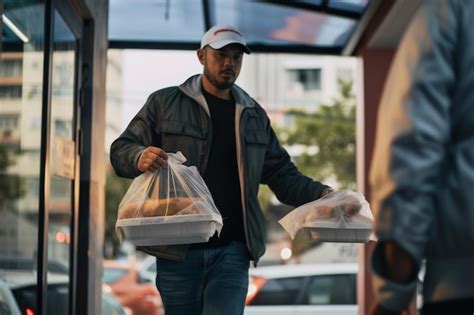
(328, 136)
(115, 189)
(11, 185)
(331, 130)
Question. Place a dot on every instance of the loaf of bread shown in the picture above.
(129, 210)
(348, 206)
(320, 212)
(159, 207)
(352, 208)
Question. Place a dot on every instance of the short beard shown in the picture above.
(217, 84)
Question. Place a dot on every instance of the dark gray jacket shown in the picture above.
(177, 119)
(423, 170)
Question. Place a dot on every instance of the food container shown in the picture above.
(170, 230)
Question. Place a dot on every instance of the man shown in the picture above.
(227, 136)
(423, 172)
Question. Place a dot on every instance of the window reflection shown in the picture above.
(21, 83)
(61, 141)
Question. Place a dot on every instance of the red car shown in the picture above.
(138, 295)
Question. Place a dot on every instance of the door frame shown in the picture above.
(75, 23)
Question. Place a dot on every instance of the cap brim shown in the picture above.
(222, 43)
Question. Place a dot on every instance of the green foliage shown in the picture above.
(11, 185)
(331, 130)
(115, 189)
(264, 196)
(330, 140)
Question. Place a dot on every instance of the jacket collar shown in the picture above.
(193, 88)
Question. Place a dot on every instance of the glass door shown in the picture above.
(63, 172)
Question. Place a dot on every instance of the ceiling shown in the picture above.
(296, 26)
(304, 26)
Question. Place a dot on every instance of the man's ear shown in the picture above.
(200, 54)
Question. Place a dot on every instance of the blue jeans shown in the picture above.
(209, 281)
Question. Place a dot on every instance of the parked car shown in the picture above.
(8, 304)
(18, 294)
(147, 268)
(134, 292)
(316, 289)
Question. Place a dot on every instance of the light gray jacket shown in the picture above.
(423, 165)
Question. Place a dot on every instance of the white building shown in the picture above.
(282, 81)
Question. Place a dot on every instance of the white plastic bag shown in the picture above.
(340, 216)
(170, 206)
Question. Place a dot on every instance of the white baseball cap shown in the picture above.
(219, 36)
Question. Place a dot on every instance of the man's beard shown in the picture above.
(220, 85)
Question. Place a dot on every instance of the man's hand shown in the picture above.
(380, 310)
(399, 266)
(152, 158)
(326, 191)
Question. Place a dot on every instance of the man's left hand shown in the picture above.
(380, 310)
(399, 265)
(326, 191)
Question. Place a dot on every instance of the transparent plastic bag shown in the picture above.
(340, 216)
(169, 206)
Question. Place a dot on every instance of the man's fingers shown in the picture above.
(149, 164)
(163, 155)
(152, 158)
(157, 151)
(156, 157)
(161, 161)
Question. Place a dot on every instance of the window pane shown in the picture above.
(111, 275)
(157, 20)
(349, 5)
(272, 24)
(21, 84)
(305, 79)
(283, 291)
(62, 164)
(331, 289)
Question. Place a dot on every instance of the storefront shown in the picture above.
(52, 117)
(52, 56)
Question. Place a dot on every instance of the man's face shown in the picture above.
(222, 66)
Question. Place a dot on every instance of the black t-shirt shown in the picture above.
(221, 174)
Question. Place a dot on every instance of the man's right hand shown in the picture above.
(152, 158)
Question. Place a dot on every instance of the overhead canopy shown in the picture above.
(306, 26)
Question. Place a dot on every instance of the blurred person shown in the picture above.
(227, 135)
(423, 166)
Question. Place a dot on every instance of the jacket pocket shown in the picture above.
(181, 136)
(256, 142)
(256, 137)
(182, 128)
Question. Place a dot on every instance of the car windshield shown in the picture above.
(113, 274)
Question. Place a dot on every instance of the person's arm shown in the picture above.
(412, 135)
(284, 179)
(137, 148)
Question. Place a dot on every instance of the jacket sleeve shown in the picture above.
(413, 132)
(139, 134)
(289, 185)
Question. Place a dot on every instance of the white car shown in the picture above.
(316, 289)
(18, 294)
